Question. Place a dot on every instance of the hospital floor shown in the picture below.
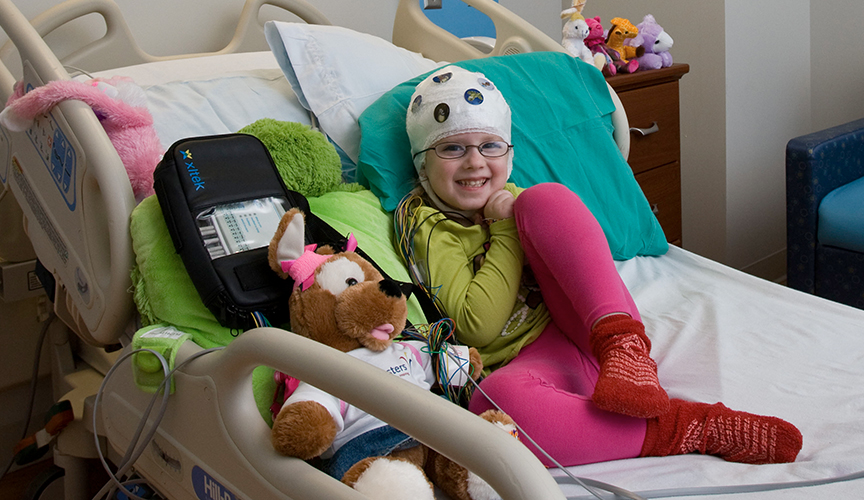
(14, 485)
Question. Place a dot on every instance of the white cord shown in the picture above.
(583, 482)
(590, 485)
(132, 454)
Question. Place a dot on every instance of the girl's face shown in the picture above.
(466, 183)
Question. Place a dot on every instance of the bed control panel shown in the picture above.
(57, 154)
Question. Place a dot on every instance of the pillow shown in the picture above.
(337, 72)
(199, 96)
(562, 132)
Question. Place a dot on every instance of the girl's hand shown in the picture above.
(499, 205)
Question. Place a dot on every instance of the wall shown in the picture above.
(837, 62)
(767, 103)
(761, 73)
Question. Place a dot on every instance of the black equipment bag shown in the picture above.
(222, 199)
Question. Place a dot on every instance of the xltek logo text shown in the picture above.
(194, 175)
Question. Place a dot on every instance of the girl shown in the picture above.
(528, 279)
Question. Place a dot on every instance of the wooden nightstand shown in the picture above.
(650, 99)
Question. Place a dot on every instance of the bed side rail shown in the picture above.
(513, 35)
(250, 33)
(75, 196)
(30, 46)
(118, 46)
(507, 465)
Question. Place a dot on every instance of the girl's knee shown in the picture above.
(554, 207)
(505, 387)
(543, 195)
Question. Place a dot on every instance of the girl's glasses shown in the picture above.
(453, 150)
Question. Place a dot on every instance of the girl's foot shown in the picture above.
(628, 381)
(732, 435)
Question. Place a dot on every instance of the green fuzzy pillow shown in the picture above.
(307, 162)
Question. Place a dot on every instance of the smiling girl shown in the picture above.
(528, 279)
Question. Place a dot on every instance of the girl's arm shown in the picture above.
(480, 304)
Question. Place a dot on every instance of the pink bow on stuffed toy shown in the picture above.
(302, 269)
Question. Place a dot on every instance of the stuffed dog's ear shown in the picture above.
(288, 243)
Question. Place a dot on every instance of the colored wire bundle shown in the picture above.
(260, 320)
(447, 365)
(406, 226)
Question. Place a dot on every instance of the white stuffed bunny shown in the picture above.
(574, 33)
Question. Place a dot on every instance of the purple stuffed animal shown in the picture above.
(656, 43)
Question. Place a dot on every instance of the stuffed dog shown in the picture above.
(341, 300)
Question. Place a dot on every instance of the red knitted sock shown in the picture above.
(735, 436)
(628, 381)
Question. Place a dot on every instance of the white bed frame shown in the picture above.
(80, 231)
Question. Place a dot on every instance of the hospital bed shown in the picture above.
(718, 334)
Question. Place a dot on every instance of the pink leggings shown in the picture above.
(547, 388)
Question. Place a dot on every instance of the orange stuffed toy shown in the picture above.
(622, 29)
(341, 300)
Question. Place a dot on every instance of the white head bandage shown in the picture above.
(451, 101)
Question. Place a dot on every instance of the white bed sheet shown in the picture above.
(200, 96)
(718, 334)
(722, 335)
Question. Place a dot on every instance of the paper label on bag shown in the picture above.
(238, 227)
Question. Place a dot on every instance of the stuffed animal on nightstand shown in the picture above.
(605, 58)
(622, 29)
(574, 32)
(656, 42)
(341, 300)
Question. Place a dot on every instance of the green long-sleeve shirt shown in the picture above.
(477, 273)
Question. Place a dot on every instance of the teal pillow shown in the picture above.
(562, 132)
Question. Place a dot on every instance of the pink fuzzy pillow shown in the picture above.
(120, 106)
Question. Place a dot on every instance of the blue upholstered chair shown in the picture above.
(825, 213)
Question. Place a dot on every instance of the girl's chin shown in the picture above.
(468, 203)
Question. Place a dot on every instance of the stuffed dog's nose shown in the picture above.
(390, 288)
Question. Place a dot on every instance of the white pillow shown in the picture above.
(213, 94)
(337, 72)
